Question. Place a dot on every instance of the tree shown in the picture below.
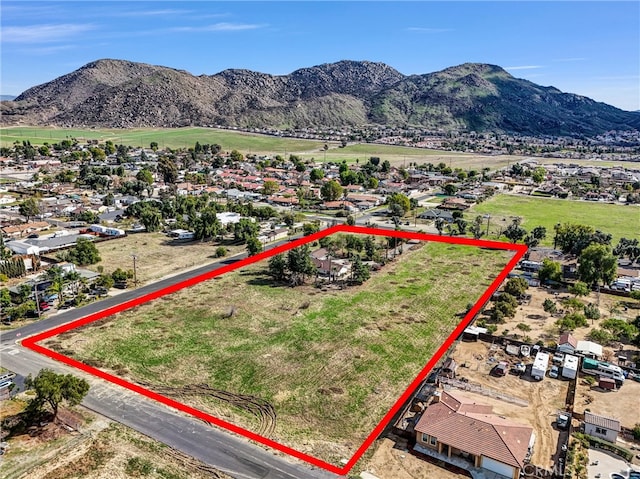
(462, 226)
(270, 187)
(591, 311)
(600, 336)
(52, 389)
(572, 238)
(539, 174)
(331, 191)
(207, 225)
(351, 220)
(29, 208)
(151, 219)
(450, 189)
(550, 271)
(168, 169)
(516, 286)
(537, 234)
(399, 204)
(579, 289)
(300, 264)
(359, 271)
(440, 223)
(84, 252)
(316, 174)
(476, 228)
(278, 267)
(369, 248)
(145, 176)
(235, 156)
(254, 246)
(310, 228)
(514, 231)
(120, 275)
(597, 264)
(549, 306)
(55, 274)
(245, 229)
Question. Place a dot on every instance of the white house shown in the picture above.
(601, 426)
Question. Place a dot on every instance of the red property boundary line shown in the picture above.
(519, 251)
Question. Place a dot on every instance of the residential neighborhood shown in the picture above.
(85, 221)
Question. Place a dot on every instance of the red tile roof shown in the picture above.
(478, 433)
(567, 338)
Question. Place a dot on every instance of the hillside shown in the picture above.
(122, 94)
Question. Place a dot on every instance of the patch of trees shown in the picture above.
(506, 303)
(83, 253)
(573, 238)
(293, 268)
(13, 267)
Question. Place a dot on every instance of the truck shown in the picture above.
(563, 421)
(539, 367)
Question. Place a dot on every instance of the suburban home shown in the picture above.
(434, 214)
(567, 343)
(601, 426)
(457, 430)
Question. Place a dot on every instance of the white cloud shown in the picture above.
(151, 13)
(219, 27)
(43, 33)
(524, 67)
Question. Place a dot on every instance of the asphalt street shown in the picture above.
(231, 454)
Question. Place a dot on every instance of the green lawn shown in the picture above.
(170, 137)
(620, 221)
(330, 362)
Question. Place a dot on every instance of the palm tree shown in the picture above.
(58, 282)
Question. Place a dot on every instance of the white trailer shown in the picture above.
(539, 367)
(570, 367)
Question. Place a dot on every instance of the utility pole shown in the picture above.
(135, 272)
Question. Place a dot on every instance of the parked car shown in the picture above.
(554, 372)
(500, 369)
(33, 236)
(563, 421)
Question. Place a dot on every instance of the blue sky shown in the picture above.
(589, 48)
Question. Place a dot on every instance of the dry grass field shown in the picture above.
(313, 368)
(156, 255)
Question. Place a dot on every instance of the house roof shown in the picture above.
(602, 421)
(567, 338)
(468, 426)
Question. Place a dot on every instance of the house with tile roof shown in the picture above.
(456, 429)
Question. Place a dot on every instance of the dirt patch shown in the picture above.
(103, 450)
(621, 404)
(392, 460)
(156, 255)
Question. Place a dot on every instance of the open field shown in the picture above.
(621, 404)
(102, 450)
(620, 221)
(156, 255)
(318, 368)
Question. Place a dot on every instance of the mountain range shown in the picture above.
(472, 96)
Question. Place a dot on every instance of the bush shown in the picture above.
(221, 251)
(549, 306)
(636, 432)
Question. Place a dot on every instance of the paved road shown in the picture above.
(231, 454)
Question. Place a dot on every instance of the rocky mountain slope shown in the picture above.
(117, 93)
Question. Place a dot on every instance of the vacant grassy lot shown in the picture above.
(620, 221)
(156, 255)
(318, 368)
